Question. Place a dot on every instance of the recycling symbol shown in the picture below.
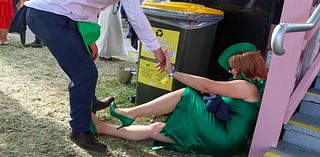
(159, 33)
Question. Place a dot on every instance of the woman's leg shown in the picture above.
(3, 35)
(133, 132)
(159, 106)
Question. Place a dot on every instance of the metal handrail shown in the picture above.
(281, 29)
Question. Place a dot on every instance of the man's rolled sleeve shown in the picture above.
(140, 24)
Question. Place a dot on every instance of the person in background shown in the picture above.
(56, 23)
(125, 18)
(194, 125)
(6, 15)
(110, 42)
(37, 43)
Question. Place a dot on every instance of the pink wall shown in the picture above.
(281, 80)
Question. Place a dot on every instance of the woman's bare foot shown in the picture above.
(4, 41)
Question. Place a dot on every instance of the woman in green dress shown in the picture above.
(190, 127)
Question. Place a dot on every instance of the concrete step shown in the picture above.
(313, 95)
(285, 149)
(303, 130)
(317, 83)
(310, 108)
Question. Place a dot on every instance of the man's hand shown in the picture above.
(20, 4)
(161, 58)
(94, 51)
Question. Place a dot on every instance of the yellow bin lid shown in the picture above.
(182, 7)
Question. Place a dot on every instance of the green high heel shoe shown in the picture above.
(125, 120)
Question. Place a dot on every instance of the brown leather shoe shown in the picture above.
(102, 104)
(88, 142)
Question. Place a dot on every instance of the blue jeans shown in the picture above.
(65, 43)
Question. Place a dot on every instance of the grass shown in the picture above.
(35, 109)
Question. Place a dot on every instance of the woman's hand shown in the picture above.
(168, 66)
(94, 51)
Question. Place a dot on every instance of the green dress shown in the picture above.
(195, 130)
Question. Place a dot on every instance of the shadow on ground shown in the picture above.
(24, 134)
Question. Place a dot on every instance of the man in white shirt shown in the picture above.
(55, 23)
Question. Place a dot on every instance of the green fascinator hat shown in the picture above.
(90, 33)
(232, 50)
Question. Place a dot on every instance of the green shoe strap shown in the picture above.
(92, 127)
(125, 120)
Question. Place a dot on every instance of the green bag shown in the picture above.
(90, 33)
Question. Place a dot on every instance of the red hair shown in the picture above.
(250, 63)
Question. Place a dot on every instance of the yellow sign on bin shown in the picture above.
(148, 74)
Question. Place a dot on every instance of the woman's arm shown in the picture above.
(234, 89)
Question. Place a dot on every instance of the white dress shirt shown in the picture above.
(87, 10)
